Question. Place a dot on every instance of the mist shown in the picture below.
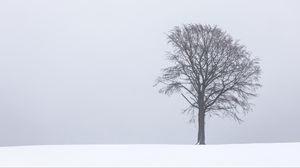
(82, 72)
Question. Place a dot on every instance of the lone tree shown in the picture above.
(215, 74)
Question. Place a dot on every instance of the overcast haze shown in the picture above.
(77, 72)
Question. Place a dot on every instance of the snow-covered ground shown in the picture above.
(276, 154)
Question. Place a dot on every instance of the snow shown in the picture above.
(233, 155)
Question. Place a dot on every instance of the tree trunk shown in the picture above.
(201, 127)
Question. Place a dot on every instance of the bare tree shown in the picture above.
(215, 74)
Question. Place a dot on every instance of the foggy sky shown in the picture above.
(78, 72)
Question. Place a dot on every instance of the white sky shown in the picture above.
(76, 72)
